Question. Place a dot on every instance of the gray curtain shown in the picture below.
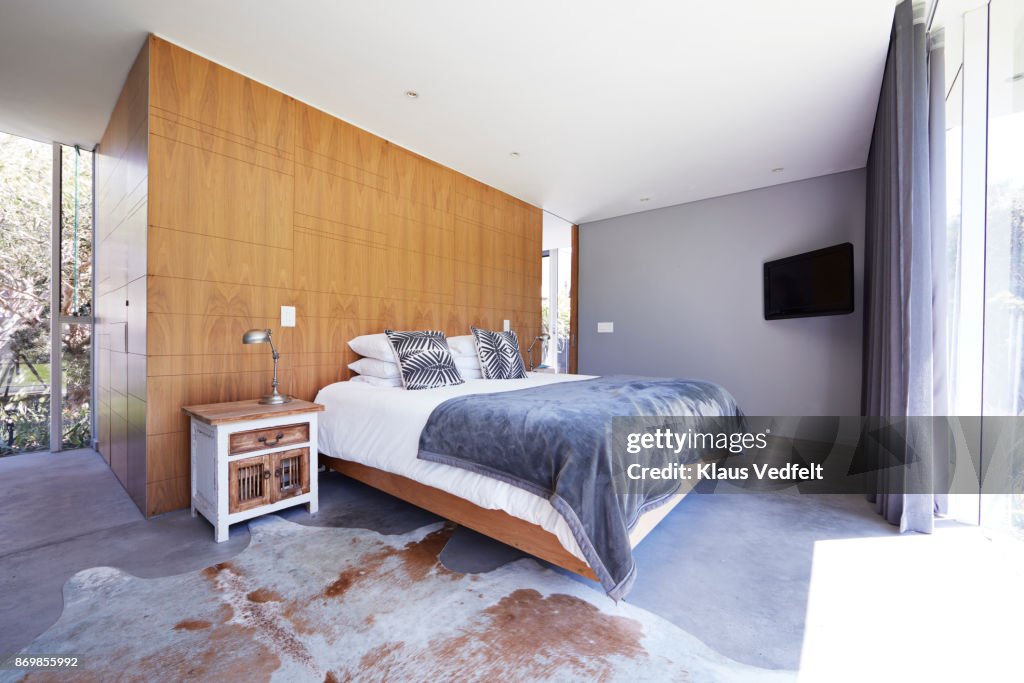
(904, 272)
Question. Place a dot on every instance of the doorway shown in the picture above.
(558, 291)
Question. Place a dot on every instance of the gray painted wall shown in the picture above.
(683, 286)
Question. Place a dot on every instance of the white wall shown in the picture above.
(557, 233)
(683, 286)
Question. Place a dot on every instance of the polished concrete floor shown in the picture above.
(737, 571)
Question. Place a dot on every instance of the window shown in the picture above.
(33, 237)
(984, 50)
(1003, 365)
(26, 194)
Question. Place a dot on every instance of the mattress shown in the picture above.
(380, 427)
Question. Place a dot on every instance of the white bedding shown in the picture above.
(380, 427)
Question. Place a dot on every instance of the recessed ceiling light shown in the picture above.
(514, 155)
(778, 169)
(411, 94)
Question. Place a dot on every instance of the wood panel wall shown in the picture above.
(120, 290)
(256, 201)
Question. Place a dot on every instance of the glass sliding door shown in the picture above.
(546, 309)
(984, 46)
(1003, 377)
(556, 308)
(556, 291)
(45, 296)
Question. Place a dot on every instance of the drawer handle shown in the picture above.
(266, 475)
(263, 439)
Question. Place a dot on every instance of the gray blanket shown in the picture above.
(555, 441)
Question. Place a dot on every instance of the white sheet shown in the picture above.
(380, 427)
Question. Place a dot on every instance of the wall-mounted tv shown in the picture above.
(816, 283)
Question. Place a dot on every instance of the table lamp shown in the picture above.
(263, 337)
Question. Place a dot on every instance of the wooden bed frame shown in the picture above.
(497, 524)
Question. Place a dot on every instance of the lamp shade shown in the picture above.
(256, 337)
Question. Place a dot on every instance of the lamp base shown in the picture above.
(275, 399)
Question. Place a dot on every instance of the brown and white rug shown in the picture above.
(333, 604)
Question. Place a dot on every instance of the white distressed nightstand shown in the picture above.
(249, 459)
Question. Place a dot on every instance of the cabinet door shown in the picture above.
(249, 483)
(290, 473)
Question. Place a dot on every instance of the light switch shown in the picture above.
(287, 316)
(606, 328)
(508, 326)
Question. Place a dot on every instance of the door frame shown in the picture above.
(58, 321)
(574, 302)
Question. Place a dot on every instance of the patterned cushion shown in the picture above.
(499, 354)
(424, 358)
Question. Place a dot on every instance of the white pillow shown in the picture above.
(372, 367)
(469, 368)
(464, 346)
(373, 346)
(468, 373)
(464, 363)
(377, 381)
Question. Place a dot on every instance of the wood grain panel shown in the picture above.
(195, 88)
(167, 456)
(258, 201)
(167, 495)
(324, 135)
(196, 134)
(215, 259)
(200, 191)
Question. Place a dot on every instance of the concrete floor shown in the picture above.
(734, 570)
(74, 493)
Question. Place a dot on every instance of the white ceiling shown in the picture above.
(606, 101)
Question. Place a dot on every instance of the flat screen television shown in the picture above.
(816, 283)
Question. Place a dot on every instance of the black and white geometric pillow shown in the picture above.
(424, 359)
(499, 354)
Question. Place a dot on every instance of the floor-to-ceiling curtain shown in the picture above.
(904, 320)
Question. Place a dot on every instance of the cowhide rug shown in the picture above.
(332, 604)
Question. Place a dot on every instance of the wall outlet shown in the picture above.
(508, 326)
(606, 328)
(287, 316)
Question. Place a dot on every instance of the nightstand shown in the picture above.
(249, 459)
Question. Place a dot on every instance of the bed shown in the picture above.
(373, 434)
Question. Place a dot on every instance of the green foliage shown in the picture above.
(26, 423)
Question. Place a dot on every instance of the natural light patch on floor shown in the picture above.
(944, 607)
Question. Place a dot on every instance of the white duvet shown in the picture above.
(380, 427)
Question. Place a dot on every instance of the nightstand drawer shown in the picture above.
(259, 439)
